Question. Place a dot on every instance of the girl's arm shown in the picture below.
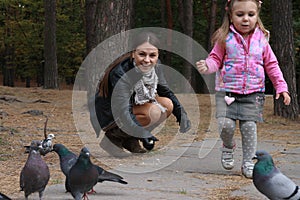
(273, 71)
(213, 62)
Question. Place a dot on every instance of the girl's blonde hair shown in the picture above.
(221, 34)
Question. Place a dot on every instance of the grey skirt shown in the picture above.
(244, 107)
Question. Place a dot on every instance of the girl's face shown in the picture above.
(244, 15)
(145, 56)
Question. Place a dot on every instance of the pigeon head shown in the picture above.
(84, 158)
(60, 149)
(264, 164)
(35, 145)
(85, 152)
(50, 136)
(35, 151)
(262, 155)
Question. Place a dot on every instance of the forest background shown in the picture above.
(24, 25)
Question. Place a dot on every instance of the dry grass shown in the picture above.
(17, 130)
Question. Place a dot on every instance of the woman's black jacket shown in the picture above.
(117, 107)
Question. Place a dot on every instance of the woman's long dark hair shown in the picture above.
(103, 85)
(134, 43)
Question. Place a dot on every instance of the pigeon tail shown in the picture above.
(294, 193)
(109, 176)
(112, 180)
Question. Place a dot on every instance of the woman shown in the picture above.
(133, 98)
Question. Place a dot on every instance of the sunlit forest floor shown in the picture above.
(18, 128)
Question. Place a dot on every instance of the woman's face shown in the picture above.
(244, 16)
(145, 56)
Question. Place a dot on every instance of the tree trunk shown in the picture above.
(8, 76)
(283, 46)
(51, 72)
(90, 12)
(163, 13)
(212, 22)
(8, 68)
(111, 18)
(168, 58)
(186, 19)
(210, 78)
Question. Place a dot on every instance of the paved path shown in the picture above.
(193, 175)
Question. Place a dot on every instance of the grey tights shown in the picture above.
(249, 136)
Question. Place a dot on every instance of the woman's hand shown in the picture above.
(201, 66)
(286, 98)
(185, 124)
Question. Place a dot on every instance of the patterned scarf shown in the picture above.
(145, 89)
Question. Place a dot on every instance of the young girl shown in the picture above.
(240, 56)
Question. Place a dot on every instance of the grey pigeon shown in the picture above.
(35, 174)
(4, 197)
(68, 159)
(83, 175)
(270, 181)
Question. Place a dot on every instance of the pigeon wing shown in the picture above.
(109, 176)
(278, 186)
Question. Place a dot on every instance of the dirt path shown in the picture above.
(18, 129)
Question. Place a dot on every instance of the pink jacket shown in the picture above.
(241, 65)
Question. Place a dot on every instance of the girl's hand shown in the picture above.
(201, 66)
(286, 98)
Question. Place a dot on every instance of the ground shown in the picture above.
(18, 128)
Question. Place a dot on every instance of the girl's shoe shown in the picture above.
(227, 158)
(247, 169)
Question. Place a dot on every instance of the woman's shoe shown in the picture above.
(133, 145)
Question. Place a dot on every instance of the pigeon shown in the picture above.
(4, 197)
(35, 174)
(68, 159)
(82, 176)
(46, 144)
(270, 181)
